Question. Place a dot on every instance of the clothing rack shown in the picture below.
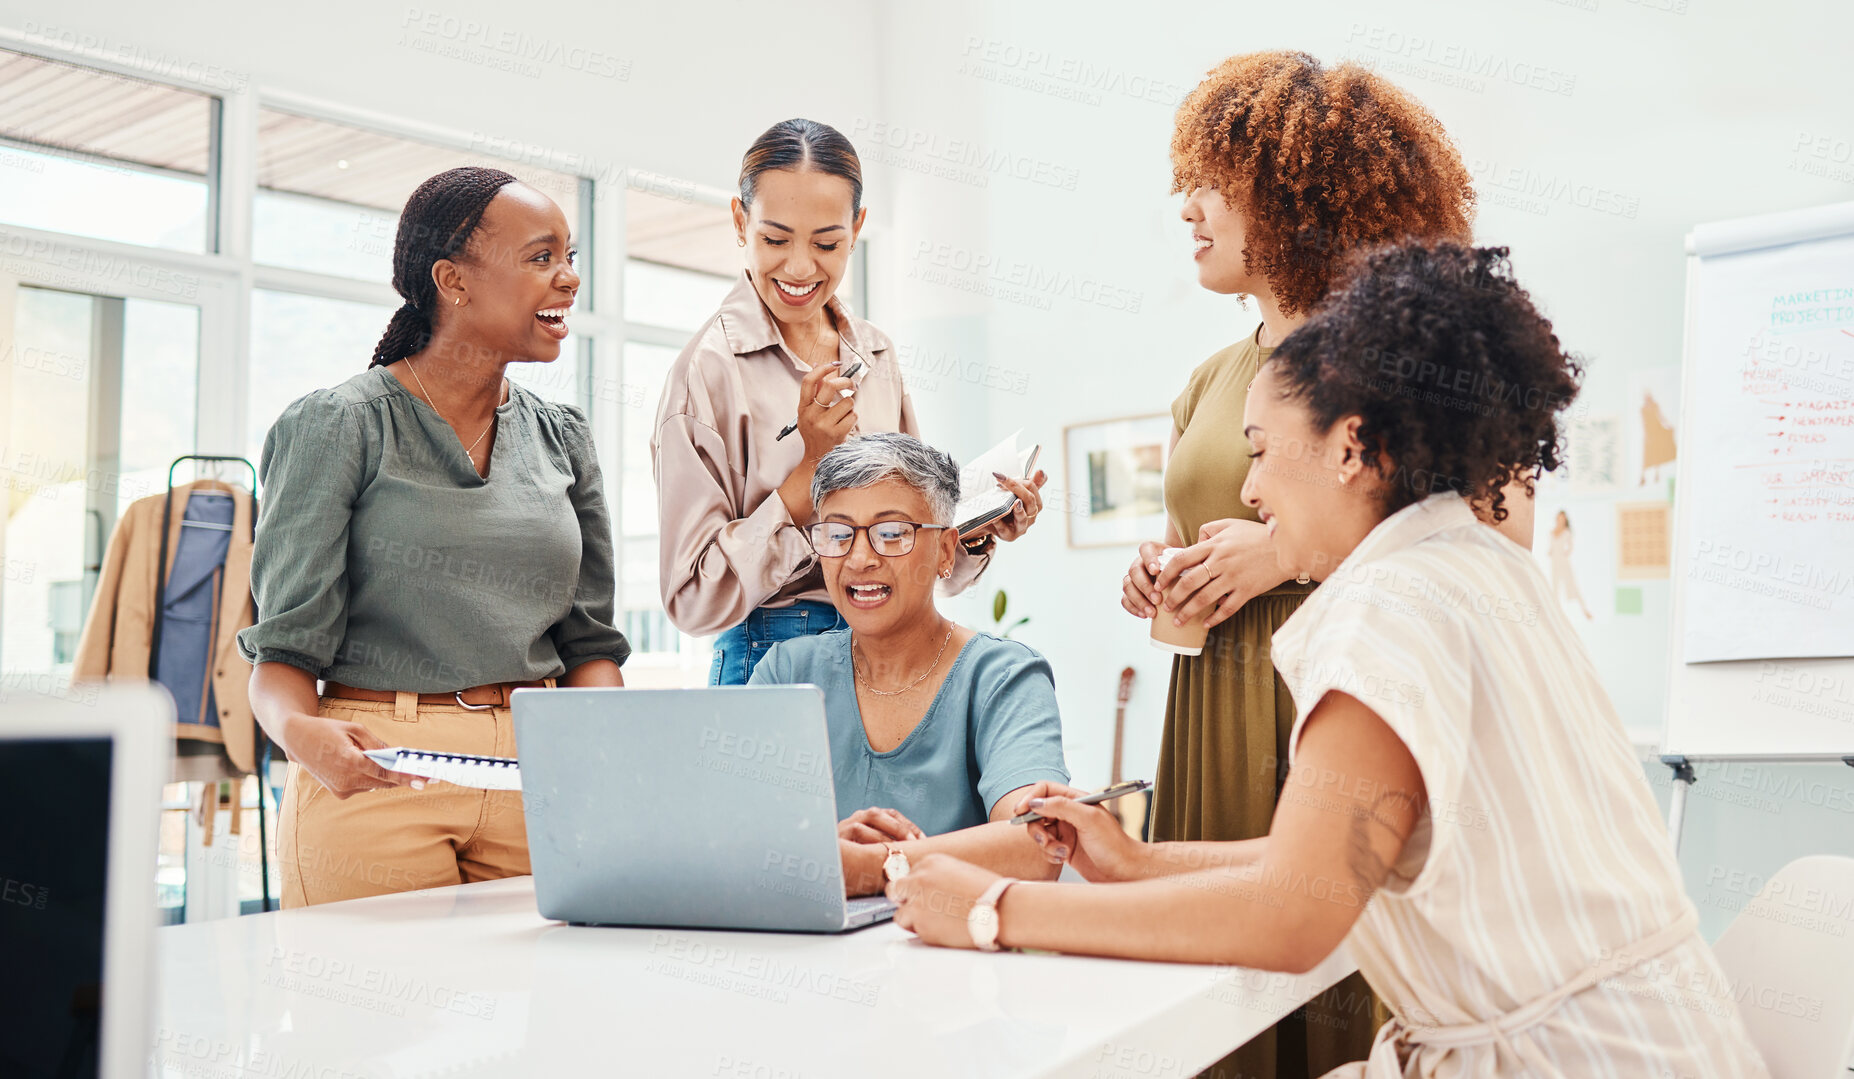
(154, 650)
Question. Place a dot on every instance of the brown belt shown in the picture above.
(477, 698)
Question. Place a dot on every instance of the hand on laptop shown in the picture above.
(875, 825)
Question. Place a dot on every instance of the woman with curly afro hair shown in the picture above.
(1289, 167)
(1462, 807)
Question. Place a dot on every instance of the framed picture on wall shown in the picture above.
(1116, 480)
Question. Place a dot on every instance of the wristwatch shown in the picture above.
(982, 919)
(895, 866)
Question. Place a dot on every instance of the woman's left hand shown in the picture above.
(1029, 503)
(878, 825)
(1232, 562)
(932, 901)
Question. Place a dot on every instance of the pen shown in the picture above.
(855, 368)
(1131, 786)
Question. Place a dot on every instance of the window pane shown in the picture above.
(48, 461)
(329, 194)
(139, 177)
(659, 295)
(642, 619)
(303, 233)
(559, 380)
(645, 367)
(303, 343)
(160, 395)
(102, 398)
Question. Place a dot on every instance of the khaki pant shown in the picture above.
(399, 839)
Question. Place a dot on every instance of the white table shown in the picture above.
(471, 981)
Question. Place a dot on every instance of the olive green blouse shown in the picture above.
(1205, 474)
(384, 561)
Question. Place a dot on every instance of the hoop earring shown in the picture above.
(1303, 579)
(946, 575)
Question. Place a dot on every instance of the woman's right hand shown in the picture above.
(333, 751)
(825, 416)
(1087, 837)
(1139, 595)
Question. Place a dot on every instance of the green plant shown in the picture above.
(999, 603)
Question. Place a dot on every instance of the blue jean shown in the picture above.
(740, 649)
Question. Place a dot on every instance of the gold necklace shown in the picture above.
(469, 451)
(898, 692)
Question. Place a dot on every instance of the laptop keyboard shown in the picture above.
(866, 905)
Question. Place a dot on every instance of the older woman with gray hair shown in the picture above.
(930, 722)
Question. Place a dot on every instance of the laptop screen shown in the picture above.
(54, 862)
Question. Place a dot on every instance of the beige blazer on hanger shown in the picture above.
(119, 631)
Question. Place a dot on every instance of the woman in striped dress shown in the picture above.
(1462, 808)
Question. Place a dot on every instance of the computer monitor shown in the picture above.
(83, 776)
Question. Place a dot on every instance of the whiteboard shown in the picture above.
(1763, 559)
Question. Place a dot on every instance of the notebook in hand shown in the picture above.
(463, 769)
(981, 500)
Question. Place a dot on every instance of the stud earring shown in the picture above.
(456, 301)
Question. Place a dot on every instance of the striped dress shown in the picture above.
(1535, 924)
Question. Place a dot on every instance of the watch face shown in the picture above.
(895, 865)
(983, 923)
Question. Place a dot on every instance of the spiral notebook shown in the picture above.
(463, 769)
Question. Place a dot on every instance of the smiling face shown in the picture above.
(1310, 487)
(798, 233)
(878, 595)
(1218, 233)
(515, 277)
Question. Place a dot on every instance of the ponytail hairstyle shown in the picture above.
(437, 222)
(796, 145)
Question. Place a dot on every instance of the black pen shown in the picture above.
(855, 368)
(1131, 786)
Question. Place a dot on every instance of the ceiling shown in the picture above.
(89, 112)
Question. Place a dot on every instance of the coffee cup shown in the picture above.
(1185, 640)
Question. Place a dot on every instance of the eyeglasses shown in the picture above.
(891, 539)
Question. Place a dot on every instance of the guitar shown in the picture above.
(1134, 810)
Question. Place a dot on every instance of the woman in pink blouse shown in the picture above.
(733, 496)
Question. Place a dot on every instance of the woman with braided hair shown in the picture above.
(432, 538)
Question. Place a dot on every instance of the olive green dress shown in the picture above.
(1228, 714)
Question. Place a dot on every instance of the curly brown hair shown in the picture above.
(1458, 378)
(1321, 161)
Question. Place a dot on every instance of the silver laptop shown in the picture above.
(700, 808)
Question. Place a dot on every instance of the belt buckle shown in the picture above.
(467, 706)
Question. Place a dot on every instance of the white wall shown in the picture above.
(1676, 118)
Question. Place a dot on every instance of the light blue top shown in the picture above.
(992, 727)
